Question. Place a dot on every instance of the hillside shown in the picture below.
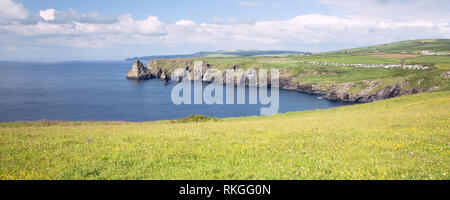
(222, 53)
(400, 138)
(410, 46)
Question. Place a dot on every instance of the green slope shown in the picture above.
(410, 46)
(400, 138)
(222, 53)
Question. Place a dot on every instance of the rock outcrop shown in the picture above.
(138, 71)
(310, 88)
(180, 74)
(212, 75)
(342, 92)
(372, 91)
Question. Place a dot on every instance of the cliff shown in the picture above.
(138, 71)
(178, 70)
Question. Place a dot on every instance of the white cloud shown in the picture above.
(11, 11)
(184, 23)
(149, 26)
(298, 32)
(71, 15)
(48, 14)
(217, 20)
(125, 26)
(429, 10)
(233, 20)
(304, 32)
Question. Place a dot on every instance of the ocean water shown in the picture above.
(84, 91)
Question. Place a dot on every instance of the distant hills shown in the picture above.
(223, 53)
(409, 46)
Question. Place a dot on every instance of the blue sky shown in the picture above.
(170, 11)
(113, 29)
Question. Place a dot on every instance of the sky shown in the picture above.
(117, 29)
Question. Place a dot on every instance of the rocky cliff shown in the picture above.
(138, 71)
(199, 70)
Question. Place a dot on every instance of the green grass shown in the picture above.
(358, 87)
(441, 62)
(400, 138)
(356, 74)
(349, 59)
(409, 46)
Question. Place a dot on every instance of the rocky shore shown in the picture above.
(371, 90)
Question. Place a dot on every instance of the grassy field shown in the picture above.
(401, 138)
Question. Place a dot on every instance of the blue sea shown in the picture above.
(84, 91)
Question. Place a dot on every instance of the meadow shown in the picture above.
(399, 138)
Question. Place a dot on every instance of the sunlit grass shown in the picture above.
(400, 138)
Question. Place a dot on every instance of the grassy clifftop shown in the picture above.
(400, 138)
(338, 72)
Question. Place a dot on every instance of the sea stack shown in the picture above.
(138, 71)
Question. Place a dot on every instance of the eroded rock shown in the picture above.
(138, 71)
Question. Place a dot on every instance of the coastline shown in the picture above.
(337, 92)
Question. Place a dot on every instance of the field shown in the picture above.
(393, 55)
(400, 138)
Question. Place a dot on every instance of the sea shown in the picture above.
(99, 91)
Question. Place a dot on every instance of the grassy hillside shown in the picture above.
(409, 46)
(223, 54)
(400, 138)
(325, 75)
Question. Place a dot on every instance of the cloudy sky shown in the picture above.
(116, 29)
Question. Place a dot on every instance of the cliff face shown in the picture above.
(199, 70)
(343, 91)
(138, 71)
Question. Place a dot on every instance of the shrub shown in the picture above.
(195, 118)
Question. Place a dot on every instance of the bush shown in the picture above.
(195, 118)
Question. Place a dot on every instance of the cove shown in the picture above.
(97, 90)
